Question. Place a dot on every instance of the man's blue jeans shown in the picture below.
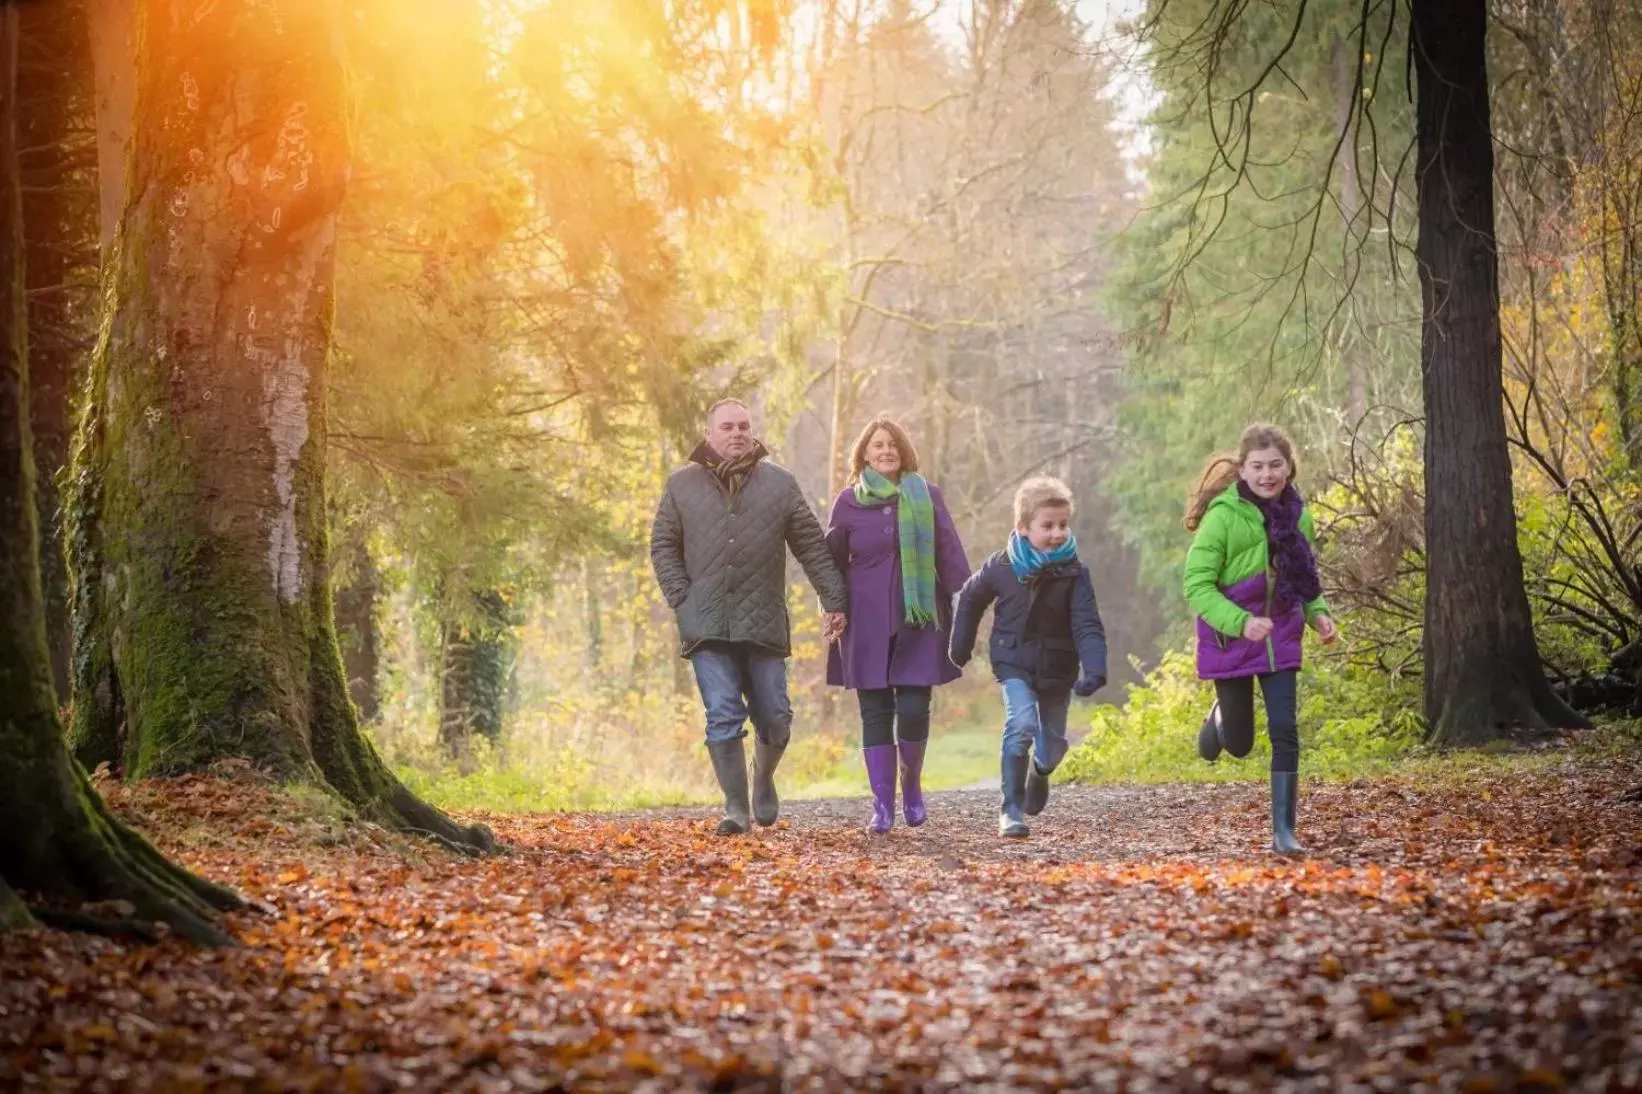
(738, 681)
(1035, 720)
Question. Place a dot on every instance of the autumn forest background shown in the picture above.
(1079, 239)
(347, 345)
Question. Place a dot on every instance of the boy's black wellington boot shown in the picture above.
(1037, 790)
(1285, 790)
(730, 765)
(766, 804)
(1010, 822)
(1208, 735)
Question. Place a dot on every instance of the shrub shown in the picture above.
(1353, 721)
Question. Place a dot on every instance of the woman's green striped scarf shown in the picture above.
(916, 512)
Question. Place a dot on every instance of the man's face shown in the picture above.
(730, 431)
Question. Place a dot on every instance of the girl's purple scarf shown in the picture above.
(1292, 559)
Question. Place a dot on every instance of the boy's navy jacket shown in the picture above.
(1041, 628)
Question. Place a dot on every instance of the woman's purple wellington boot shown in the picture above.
(912, 790)
(881, 777)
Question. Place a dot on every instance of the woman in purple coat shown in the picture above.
(895, 542)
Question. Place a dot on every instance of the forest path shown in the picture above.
(1482, 931)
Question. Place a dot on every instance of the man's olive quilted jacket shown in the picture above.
(722, 565)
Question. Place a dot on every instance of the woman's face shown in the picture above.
(883, 456)
(1266, 471)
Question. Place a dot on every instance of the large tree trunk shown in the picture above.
(59, 207)
(60, 841)
(477, 656)
(1483, 673)
(199, 543)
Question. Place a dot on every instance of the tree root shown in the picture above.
(419, 818)
(14, 914)
(121, 927)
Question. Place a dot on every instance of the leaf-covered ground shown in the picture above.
(1478, 936)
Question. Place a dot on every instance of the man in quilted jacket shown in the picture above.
(719, 547)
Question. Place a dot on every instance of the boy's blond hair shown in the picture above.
(1040, 493)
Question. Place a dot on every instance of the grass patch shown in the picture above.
(957, 756)
(661, 762)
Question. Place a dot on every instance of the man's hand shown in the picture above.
(1257, 629)
(1326, 629)
(832, 626)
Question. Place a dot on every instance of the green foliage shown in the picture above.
(1352, 723)
(1262, 280)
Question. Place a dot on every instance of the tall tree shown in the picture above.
(199, 540)
(476, 657)
(977, 182)
(56, 161)
(61, 842)
(1483, 672)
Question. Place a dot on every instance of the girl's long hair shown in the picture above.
(1224, 467)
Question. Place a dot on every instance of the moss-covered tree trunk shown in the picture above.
(60, 209)
(198, 536)
(477, 653)
(60, 842)
(1483, 672)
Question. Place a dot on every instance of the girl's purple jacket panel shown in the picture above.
(1225, 657)
(866, 543)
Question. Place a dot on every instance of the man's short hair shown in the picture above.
(1037, 493)
(721, 404)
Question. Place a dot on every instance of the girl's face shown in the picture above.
(1266, 471)
(1049, 527)
(883, 456)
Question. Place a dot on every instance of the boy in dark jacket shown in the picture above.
(1045, 623)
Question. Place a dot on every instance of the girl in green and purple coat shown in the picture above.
(1251, 577)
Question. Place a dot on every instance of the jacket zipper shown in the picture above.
(1271, 651)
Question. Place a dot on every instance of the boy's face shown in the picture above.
(1049, 527)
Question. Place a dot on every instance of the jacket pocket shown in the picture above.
(1057, 661)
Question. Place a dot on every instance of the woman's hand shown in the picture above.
(1326, 629)
(1257, 629)
(833, 625)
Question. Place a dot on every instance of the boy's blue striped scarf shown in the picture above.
(1027, 560)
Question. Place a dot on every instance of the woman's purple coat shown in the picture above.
(866, 543)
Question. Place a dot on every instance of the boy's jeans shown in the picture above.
(1036, 721)
(738, 680)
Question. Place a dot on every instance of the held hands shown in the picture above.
(832, 626)
(1257, 629)
(1326, 629)
(1088, 685)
